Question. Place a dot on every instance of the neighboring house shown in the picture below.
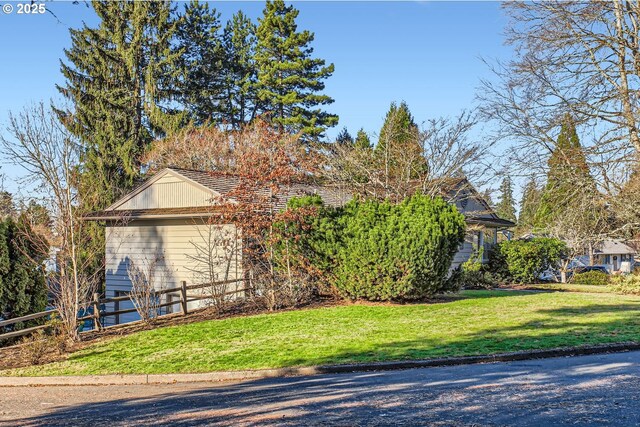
(166, 220)
(615, 255)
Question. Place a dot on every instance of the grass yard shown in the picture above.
(483, 322)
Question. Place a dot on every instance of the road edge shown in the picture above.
(221, 376)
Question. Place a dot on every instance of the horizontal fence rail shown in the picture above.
(97, 302)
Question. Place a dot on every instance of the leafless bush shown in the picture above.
(35, 346)
(147, 276)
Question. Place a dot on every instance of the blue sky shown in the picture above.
(425, 53)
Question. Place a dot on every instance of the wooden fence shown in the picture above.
(97, 314)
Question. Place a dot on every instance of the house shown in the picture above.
(165, 223)
(617, 256)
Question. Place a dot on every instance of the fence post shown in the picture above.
(183, 297)
(96, 311)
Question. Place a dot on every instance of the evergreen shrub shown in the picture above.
(380, 251)
(523, 261)
(596, 278)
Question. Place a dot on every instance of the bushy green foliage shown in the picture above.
(305, 238)
(381, 251)
(22, 282)
(472, 274)
(626, 284)
(597, 278)
(524, 260)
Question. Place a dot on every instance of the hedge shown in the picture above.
(596, 278)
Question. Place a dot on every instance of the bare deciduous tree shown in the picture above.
(575, 57)
(50, 156)
(446, 155)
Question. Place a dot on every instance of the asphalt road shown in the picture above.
(588, 390)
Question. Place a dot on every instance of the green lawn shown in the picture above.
(484, 322)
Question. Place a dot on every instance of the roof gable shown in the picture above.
(167, 189)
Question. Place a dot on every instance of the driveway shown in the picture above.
(588, 390)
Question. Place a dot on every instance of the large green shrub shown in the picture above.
(396, 252)
(596, 278)
(374, 250)
(523, 261)
(626, 284)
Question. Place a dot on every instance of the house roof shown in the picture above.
(229, 186)
(494, 221)
(613, 247)
(189, 212)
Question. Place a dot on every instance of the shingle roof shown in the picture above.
(192, 211)
(613, 247)
(219, 182)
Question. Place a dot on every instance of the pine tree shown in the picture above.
(506, 207)
(528, 206)
(362, 140)
(344, 138)
(289, 78)
(568, 176)
(202, 62)
(120, 79)
(239, 42)
(398, 150)
(488, 199)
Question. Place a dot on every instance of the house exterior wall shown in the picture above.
(168, 191)
(616, 262)
(484, 237)
(182, 248)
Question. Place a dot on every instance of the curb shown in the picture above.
(140, 379)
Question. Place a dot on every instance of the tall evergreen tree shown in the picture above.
(202, 63)
(506, 207)
(568, 176)
(290, 80)
(120, 79)
(239, 40)
(362, 140)
(487, 198)
(344, 137)
(528, 206)
(398, 149)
